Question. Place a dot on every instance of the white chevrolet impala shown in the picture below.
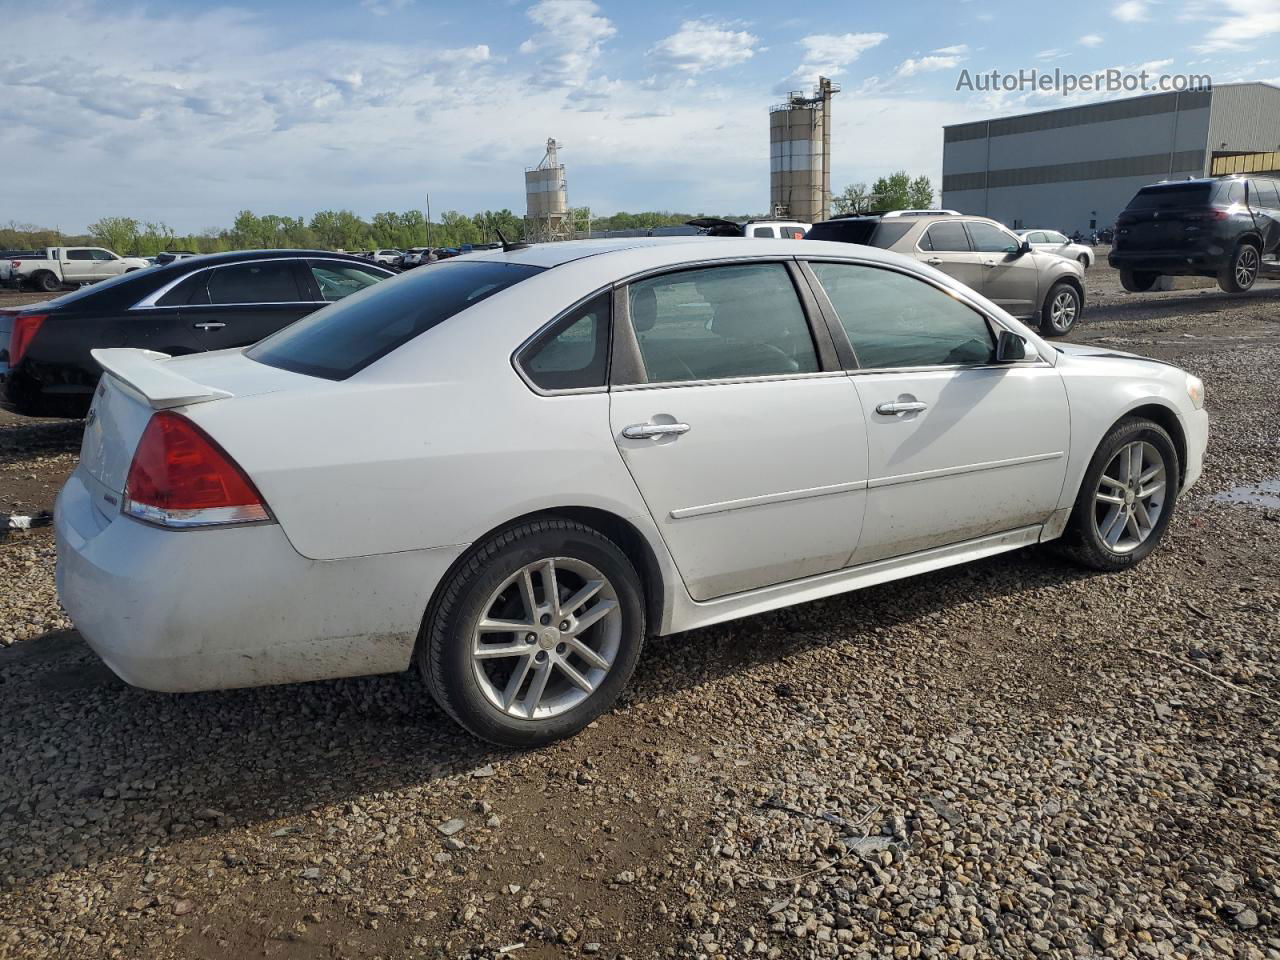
(510, 468)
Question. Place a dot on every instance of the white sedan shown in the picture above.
(509, 469)
(1051, 241)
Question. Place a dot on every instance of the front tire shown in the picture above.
(1062, 308)
(1126, 499)
(1138, 281)
(535, 633)
(1239, 275)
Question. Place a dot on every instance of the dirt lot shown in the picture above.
(1010, 759)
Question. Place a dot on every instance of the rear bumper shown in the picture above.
(233, 607)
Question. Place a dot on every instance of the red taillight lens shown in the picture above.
(181, 478)
(24, 330)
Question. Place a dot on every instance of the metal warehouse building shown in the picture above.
(1076, 168)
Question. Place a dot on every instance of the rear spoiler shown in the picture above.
(158, 384)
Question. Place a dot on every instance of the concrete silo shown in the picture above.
(800, 155)
(547, 215)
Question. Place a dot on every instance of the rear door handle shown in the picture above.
(649, 431)
(988, 263)
(934, 261)
(209, 325)
(891, 407)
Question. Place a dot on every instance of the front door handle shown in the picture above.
(892, 407)
(988, 263)
(209, 325)
(649, 431)
(934, 261)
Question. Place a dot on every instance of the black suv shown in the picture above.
(1223, 227)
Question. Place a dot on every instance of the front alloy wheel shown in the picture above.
(1130, 497)
(1061, 310)
(1126, 500)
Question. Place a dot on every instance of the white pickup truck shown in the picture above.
(63, 265)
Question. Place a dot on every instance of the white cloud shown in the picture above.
(383, 7)
(1090, 40)
(1052, 53)
(1130, 11)
(1240, 24)
(827, 54)
(910, 67)
(701, 45)
(955, 50)
(569, 42)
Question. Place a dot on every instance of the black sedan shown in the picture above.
(192, 304)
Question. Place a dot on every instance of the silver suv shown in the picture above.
(984, 255)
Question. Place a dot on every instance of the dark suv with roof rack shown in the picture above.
(1223, 227)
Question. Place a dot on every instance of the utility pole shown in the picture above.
(428, 196)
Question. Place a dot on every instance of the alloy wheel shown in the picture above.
(1130, 497)
(1246, 266)
(547, 638)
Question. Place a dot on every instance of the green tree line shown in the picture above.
(327, 229)
(897, 191)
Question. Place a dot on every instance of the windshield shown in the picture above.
(339, 341)
(1167, 197)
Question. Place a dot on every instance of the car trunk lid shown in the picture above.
(1158, 216)
(137, 383)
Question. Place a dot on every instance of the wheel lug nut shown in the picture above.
(530, 638)
(564, 625)
(545, 619)
(561, 648)
(541, 656)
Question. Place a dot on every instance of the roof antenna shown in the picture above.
(507, 245)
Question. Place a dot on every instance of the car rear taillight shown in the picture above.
(24, 330)
(180, 477)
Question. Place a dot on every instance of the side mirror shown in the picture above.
(1025, 248)
(1011, 348)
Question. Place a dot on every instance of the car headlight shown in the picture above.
(1195, 390)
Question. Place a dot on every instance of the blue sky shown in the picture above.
(186, 112)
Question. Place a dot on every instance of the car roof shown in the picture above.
(672, 251)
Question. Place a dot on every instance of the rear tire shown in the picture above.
(48, 282)
(550, 675)
(1138, 281)
(1239, 275)
(1126, 498)
(1062, 308)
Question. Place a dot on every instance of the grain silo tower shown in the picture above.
(547, 216)
(800, 155)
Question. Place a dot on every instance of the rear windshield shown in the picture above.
(1166, 198)
(339, 341)
(870, 233)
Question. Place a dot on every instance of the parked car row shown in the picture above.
(190, 305)
(580, 445)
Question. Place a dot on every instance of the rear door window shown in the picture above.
(259, 281)
(79, 254)
(343, 338)
(733, 321)
(1037, 237)
(946, 237)
(763, 232)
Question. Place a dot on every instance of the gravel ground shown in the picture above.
(1012, 759)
